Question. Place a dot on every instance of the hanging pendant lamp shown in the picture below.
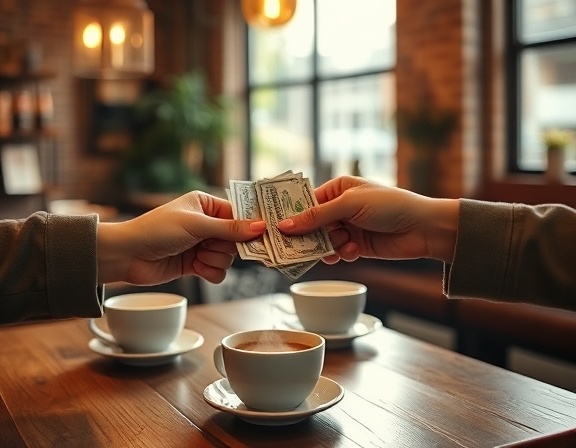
(113, 39)
(268, 13)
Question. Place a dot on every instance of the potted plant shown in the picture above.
(177, 133)
(556, 141)
(428, 130)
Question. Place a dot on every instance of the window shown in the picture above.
(321, 93)
(543, 71)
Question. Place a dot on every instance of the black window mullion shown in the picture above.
(248, 99)
(315, 97)
(514, 84)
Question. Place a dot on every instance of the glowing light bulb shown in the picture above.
(271, 9)
(112, 39)
(92, 35)
(268, 13)
(117, 34)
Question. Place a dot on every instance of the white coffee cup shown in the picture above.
(328, 306)
(271, 370)
(146, 322)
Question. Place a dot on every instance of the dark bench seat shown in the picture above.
(489, 327)
(393, 286)
(485, 329)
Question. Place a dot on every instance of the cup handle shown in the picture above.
(106, 337)
(219, 360)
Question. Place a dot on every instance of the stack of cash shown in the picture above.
(273, 200)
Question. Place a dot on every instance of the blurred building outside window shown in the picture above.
(321, 92)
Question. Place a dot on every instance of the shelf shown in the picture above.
(34, 76)
(31, 135)
(25, 179)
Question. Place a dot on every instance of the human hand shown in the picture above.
(194, 234)
(366, 219)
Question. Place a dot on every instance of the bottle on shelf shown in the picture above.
(23, 111)
(6, 119)
(44, 109)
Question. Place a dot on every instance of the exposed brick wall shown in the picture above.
(438, 49)
(48, 22)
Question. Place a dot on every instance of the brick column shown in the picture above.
(438, 50)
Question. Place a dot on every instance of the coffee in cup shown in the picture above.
(271, 370)
(328, 306)
(146, 322)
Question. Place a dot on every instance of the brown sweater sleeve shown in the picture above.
(514, 253)
(48, 268)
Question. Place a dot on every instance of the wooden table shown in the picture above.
(400, 392)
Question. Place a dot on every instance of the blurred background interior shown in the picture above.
(116, 106)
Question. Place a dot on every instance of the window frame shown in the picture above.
(514, 51)
(314, 82)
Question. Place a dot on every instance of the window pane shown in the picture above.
(548, 98)
(356, 125)
(281, 140)
(542, 20)
(356, 35)
(284, 53)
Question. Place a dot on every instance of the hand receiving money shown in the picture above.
(273, 200)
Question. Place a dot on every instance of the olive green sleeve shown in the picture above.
(48, 268)
(514, 253)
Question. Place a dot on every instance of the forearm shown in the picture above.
(48, 268)
(515, 253)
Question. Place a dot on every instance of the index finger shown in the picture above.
(336, 187)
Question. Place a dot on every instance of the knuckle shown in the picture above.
(235, 226)
(310, 216)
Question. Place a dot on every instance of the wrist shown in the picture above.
(111, 254)
(442, 228)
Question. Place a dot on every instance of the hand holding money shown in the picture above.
(274, 200)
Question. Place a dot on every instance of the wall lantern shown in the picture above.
(113, 39)
(268, 13)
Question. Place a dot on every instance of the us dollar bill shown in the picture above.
(274, 199)
(245, 206)
(280, 199)
(296, 270)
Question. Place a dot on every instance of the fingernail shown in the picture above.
(257, 226)
(287, 224)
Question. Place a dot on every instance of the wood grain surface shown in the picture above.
(399, 392)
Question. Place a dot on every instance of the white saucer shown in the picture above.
(326, 394)
(187, 341)
(365, 324)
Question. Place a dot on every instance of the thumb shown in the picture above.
(311, 219)
(228, 229)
